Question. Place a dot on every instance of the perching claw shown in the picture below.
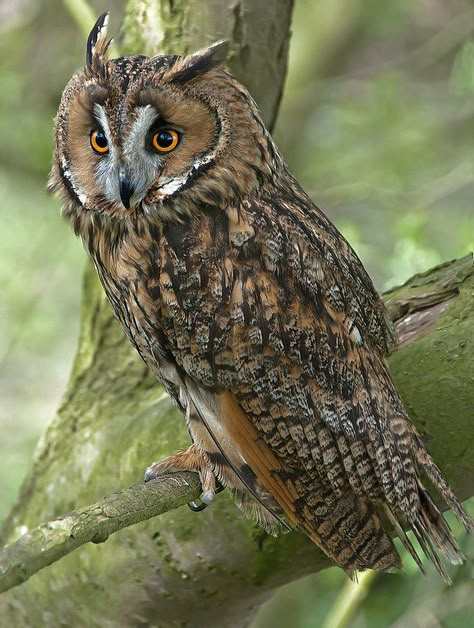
(195, 507)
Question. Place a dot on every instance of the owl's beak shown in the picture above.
(125, 188)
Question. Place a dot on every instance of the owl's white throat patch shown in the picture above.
(171, 185)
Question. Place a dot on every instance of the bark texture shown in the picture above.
(212, 568)
(258, 31)
(50, 541)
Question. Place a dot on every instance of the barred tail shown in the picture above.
(436, 478)
(430, 527)
(352, 534)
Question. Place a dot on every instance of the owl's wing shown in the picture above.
(329, 321)
(291, 330)
(295, 237)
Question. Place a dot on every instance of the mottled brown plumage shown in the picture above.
(248, 304)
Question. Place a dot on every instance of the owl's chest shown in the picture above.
(130, 280)
(177, 298)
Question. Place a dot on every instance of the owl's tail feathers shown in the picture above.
(430, 529)
(429, 526)
(436, 478)
(402, 535)
(352, 535)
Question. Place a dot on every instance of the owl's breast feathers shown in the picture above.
(278, 336)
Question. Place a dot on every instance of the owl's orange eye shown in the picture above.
(166, 140)
(99, 142)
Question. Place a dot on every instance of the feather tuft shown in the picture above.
(97, 46)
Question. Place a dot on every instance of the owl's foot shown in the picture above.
(191, 459)
(195, 507)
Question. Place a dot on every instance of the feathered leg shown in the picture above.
(191, 459)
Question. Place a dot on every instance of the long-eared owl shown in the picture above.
(248, 305)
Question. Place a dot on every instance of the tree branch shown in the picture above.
(50, 541)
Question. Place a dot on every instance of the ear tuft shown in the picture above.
(218, 51)
(97, 46)
(200, 62)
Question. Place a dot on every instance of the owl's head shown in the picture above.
(155, 135)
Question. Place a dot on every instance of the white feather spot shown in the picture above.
(356, 335)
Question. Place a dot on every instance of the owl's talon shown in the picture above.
(191, 459)
(195, 507)
(205, 499)
(149, 475)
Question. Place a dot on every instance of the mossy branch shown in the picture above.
(50, 541)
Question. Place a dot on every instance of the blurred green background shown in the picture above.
(376, 122)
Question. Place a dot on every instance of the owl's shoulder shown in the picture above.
(293, 239)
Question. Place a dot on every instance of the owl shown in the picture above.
(247, 303)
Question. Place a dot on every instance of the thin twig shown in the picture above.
(51, 541)
(348, 601)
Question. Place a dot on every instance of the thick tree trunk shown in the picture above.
(213, 568)
(258, 30)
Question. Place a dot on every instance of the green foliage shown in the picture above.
(377, 136)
